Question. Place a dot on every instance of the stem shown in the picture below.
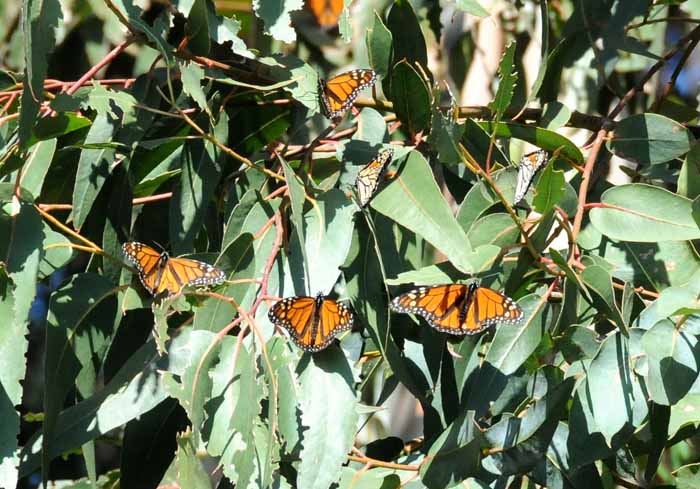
(583, 189)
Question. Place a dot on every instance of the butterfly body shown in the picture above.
(369, 177)
(312, 322)
(339, 93)
(459, 309)
(529, 165)
(160, 273)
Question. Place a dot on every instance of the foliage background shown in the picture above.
(196, 125)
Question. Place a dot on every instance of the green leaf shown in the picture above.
(132, 391)
(547, 140)
(650, 139)
(327, 439)
(650, 265)
(54, 127)
(237, 261)
(40, 19)
(684, 413)
(414, 200)
(197, 28)
(599, 283)
(513, 344)
(455, 454)
(234, 405)
(200, 176)
(193, 385)
(498, 229)
(504, 94)
(409, 43)
(106, 101)
(548, 117)
(371, 479)
(366, 287)
(642, 213)
(190, 472)
(472, 7)
(94, 167)
(689, 177)
(328, 228)
(80, 324)
(37, 165)
(16, 295)
(522, 441)
(444, 135)
(673, 358)
(554, 114)
(149, 444)
(481, 198)
(686, 477)
(411, 97)
(283, 365)
(611, 392)
(276, 18)
(379, 46)
(192, 76)
(551, 187)
(226, 29)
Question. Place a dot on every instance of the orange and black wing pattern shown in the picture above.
(312, 322)
(339, 93)
(326, 12)
(159, 273)
(459, 309)
(369, 177)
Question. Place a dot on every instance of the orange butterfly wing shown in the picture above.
(339, 93)
(160, 273)
(312, 322)
(459, 309)
(369, 177)
(326, 12)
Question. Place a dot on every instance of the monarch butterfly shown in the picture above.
(369, 178)
(312, 322)
(459, 309)
(326, 12)
(159, 273)
(338, 94)
(528, 166)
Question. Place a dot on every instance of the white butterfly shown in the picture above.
(528, 166)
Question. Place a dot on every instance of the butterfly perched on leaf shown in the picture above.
(528, 166)
(339, 93)
(459, 309)
(312, 322)
(369, 177)
(160, 273)
(326, 12)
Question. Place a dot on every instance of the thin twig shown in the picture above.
(674, 76)
(102, 63)
(583, 189)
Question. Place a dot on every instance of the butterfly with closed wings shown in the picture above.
(160, 273)
(459, 309)
(339, 93)
(369, 177)
(312, 322)
(529, 165)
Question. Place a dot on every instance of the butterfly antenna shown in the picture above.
(162, 248)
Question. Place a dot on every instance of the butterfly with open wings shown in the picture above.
(459, 309)
(312, 322)
(160, 273)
